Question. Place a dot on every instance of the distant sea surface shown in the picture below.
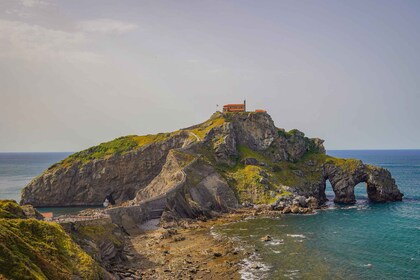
(363, 241)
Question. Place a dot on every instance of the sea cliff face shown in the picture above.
(85, 178)
(231, 159)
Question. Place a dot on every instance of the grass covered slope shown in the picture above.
(265, 181)
(125, 144)
(32, 249)
(118, 146)
(9, 209)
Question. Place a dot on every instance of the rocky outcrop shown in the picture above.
(100, 238)
(380, 185)
(89, 183)
(231, 158)
(258, 133)
(187, 187)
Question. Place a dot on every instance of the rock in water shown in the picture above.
(266, 238)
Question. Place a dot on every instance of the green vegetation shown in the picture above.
(283, 133)
(202, 129)
(348, 165)
(183, 158)
(98, 232)
(258, 183)
(32, 249)
(119, 146)
(9, 209)
(248, 180)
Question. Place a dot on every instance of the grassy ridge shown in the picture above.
(9, 209)
(32, 249)
(118, 146)
(125, 144)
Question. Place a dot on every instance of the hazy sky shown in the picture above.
(77, 73)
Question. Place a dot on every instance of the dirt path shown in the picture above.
(196, 136)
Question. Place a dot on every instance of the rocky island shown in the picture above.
(229, 163)
(231, 159)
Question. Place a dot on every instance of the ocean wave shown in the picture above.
(296, 235)
(253, 268)
(292, 274)
(216, 235)
(275, 242)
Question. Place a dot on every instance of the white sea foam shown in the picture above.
(275, 242)
(292, 274)
(296, 235)
(249, 271)
(215, 234)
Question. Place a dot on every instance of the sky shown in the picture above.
(77, 73)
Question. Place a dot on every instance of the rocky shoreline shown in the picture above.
(190, 250)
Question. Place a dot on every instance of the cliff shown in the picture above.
(231, 159)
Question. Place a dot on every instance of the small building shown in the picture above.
(260, 111)
(48, 216)
(235, 107)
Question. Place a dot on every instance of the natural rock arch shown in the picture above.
(346, 175)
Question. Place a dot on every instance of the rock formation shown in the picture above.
(76, 181)
(231, 159)
(380, 185)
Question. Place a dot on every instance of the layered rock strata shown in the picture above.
(231, 159)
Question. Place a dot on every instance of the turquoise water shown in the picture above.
(364, 241)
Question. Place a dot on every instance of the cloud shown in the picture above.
(33, 3)
(34, 42)
(106, 26)
(25, 8)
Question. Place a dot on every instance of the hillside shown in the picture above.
(230, 159)
(34, 249)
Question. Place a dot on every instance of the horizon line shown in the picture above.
(358, 149)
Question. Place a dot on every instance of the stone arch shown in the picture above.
(380, 185)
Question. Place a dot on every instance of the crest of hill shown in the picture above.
(132, 143)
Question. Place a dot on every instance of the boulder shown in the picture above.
(312, 202)
(266, 238)
(295, 209)
(302, 201)
(286, 210)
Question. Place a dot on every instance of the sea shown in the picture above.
(361, 241)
